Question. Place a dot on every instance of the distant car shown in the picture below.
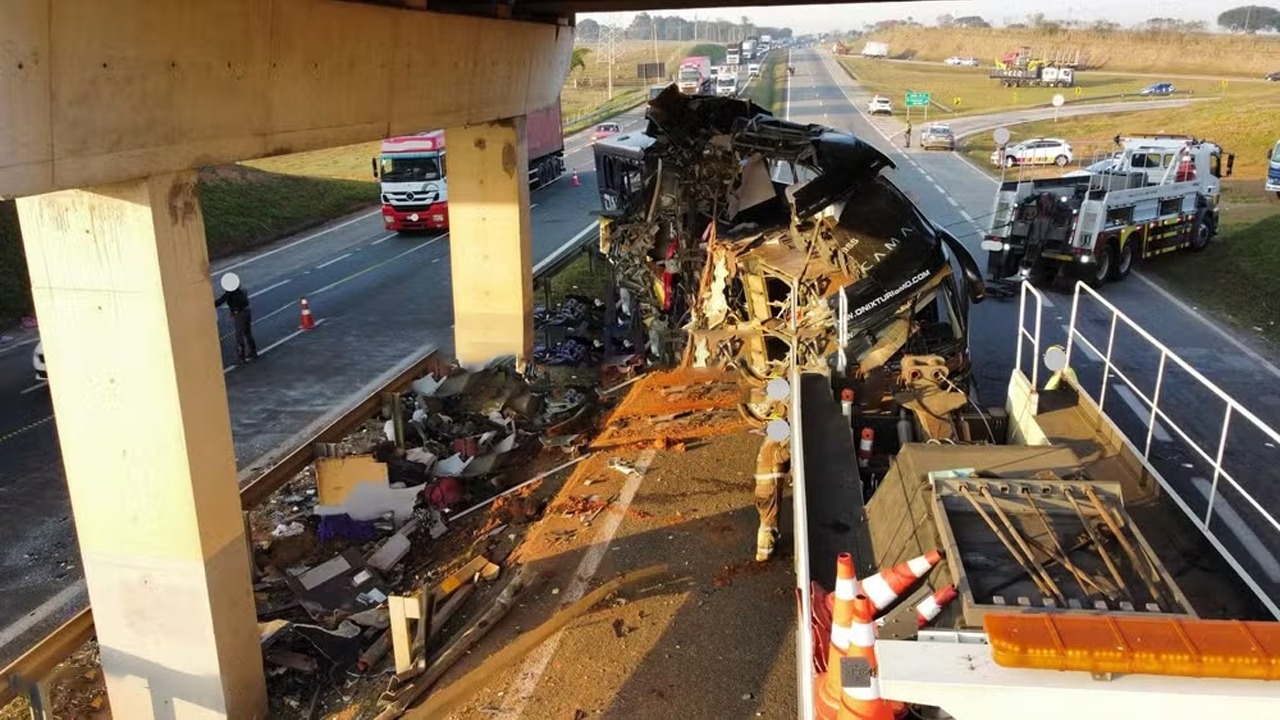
(879, 104)
(1272, 77)
(1161, 88)
(604, 130)
(937, 136)
(1037, 151)
(956, 60)
(37, 362)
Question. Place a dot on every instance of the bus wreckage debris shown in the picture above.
(735, 233)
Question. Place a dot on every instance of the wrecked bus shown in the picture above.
(727, 260)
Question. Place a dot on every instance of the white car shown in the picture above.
(879, 104)
(1037, 151)
(37, 362)
(956, 60)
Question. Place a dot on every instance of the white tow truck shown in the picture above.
(1158, 196)
(727, 81)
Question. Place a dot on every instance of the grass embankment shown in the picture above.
(1249, 56)
(587, 88)
(769, 91)
(977, 93)
(1235, 277)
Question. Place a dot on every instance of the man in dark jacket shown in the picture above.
(237, 301)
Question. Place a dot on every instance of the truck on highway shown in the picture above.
(766, 44)
(878, 50)
(1160, 195)
(1021, 68)
(695, 75)
(748, 50)
(733, 54)
(753, 69)
(411, 171)
(727, 81)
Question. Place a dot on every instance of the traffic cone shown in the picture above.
(860, 699)
(865, 444)
(308, 322)
(929, 608)
(884, 587)
(842, 614)
(576, 182)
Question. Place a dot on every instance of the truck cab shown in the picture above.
(411, 170)
(727, 82)
(753, 69)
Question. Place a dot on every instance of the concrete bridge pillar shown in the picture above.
(490, 245)
(120, 277)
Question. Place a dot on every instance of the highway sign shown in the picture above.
(917, 99)
(956, 101)
(1001, 136)
(1079, 90)
(1058, 100)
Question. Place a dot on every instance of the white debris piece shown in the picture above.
(452, 466)
(284, 531)
(422, 456)
(622, 466)
(370, 501)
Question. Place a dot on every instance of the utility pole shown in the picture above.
(610, 42)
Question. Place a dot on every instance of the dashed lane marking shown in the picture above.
(15, 433)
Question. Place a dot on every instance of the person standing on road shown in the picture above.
(237, 301)
(906, 134)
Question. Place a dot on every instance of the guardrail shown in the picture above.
(1234, 412)
(23, 674)
(800, 519)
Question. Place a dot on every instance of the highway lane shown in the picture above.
(380, 298)
(958, 195)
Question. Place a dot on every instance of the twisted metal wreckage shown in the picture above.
(744, 240)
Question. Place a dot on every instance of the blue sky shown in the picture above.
(812, 18)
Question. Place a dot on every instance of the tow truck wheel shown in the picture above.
(1124, 262)
(1204, 233)
(1102, 267)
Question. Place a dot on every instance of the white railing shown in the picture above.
(1157, 415)
(1033, 336)
(799, 508)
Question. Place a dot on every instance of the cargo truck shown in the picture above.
(877, 50)
(733, 54)
(727, 81)
(695, 75)
(411, 170)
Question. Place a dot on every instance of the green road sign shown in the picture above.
(917, 99)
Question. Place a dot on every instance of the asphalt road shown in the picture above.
(379, 298)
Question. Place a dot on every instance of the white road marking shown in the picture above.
(532, 206)
(383, 239)
(295, 243)
(33, 388)
(531, 672)
(46, 608)
(1227, 515)
(371, 268)
(938, 187)
(9, 347)
(340, 258)
(965, 214)
(952, 201)
(276, 344)
(269, 288)
(435, 260)
(1142, 412)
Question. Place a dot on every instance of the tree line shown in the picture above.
(670, 27)
(1243, 19)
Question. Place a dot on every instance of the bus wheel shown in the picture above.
(1102, 267)
(1204, 233)
(1124, 262)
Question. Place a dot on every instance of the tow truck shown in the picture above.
(1159, 196)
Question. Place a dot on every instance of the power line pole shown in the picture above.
(611, 37)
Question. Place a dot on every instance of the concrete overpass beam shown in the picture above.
(120, 277)
(490, 240)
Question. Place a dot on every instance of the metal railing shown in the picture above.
(1234, 412)
(799, 508)
(1033, 337)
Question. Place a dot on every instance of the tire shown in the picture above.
(1124, 261)
(1060, 161)
(1204, 233)
(1102, 268)
(1010, 161)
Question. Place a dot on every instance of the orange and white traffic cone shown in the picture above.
(308, 321)
(859, 679)
(929, 608)
(576, 182)
(846, 403)
(865, 445)
(885, 586)
(842, 613)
